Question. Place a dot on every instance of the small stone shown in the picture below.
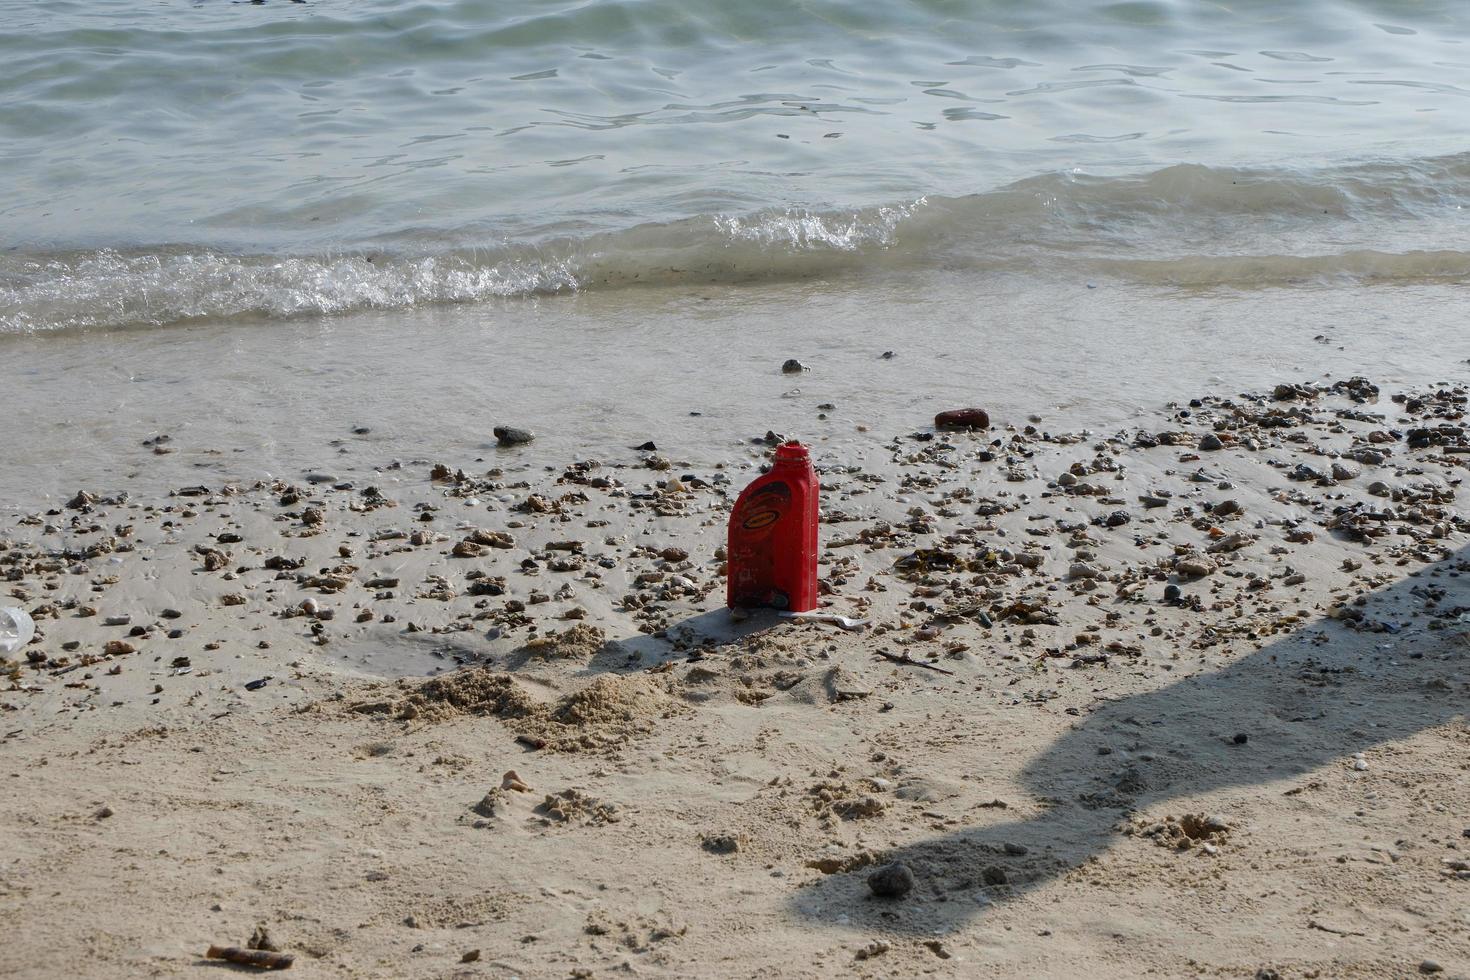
(994, 876)
(1172, 593)
(722, 843)
(1429, 966)
(117, 648)
(1241, 738)
(963, 418)
(1210, 442)
(117, 620)
(891, 881)
(1227, 507)
(793, 366)
(1379, 489)
(103, 813)
(313, 516)
(507, 435)
(1193, 567)
(1014, 849)
(470, 957)
(1345, 471)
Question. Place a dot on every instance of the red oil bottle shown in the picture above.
(773, 536)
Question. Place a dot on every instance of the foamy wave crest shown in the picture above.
(1184, 224)
(109, 288)
(802, 229)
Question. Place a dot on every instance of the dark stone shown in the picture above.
(891, 881)
(963, 418)
(510, 436)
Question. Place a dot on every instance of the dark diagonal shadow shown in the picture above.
(1302, 703)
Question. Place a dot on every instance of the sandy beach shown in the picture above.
(378, 382)
(1184, 698)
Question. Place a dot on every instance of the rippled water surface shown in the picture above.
(172, 160)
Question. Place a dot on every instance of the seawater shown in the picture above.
(176, 161)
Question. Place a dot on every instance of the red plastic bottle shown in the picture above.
(773, 536)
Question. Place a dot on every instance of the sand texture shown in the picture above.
(1186, 699)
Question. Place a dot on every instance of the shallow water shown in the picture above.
(190, 161)
(696, 371)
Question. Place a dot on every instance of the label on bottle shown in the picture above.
(764, 509)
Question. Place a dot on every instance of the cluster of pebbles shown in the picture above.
(1230, 521)
(573, 611)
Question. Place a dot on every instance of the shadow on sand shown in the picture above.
(1300, 702)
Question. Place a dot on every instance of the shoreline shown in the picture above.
(735, 782)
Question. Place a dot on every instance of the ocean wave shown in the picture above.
(1185, 224)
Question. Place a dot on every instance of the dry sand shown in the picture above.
(606, 775)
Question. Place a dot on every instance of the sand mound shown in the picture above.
(581, 642)
(474, 691)
(608, 712)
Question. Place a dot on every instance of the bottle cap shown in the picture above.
(791, 452)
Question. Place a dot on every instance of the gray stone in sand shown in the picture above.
(793, 366)
(510, 436)
(891, 881)
(1211, 442)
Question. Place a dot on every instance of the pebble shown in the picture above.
(891, 881)
(793, 366)
(1430, 966)
(1172, 593)
(963, 418)
(1345, 471)
(1193, 567)
(1211, 442)
(507, 435)
(1015, 849)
